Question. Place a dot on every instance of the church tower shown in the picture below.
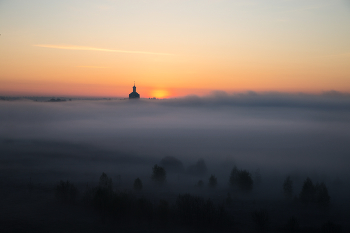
(134, 94)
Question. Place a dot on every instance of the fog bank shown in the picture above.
(273, 132)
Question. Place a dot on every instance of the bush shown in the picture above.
(288, 187)
(213, 181)
(66, 192)
(159, 174)
(242, 179)
(200, 183)
(138, 184)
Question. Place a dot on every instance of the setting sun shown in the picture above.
(159, 94)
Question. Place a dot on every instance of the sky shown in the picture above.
(173, 48)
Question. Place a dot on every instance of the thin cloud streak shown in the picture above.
(84, 48)
(97, 67)
(337, 55)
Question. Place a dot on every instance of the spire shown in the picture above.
(134, 94)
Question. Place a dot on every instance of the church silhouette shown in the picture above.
(134, 94)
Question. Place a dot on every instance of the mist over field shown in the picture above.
(271, 131)
(271, 135)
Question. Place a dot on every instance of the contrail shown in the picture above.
(73, 47)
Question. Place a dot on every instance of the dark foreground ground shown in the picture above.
(34, 207)
(33, 200)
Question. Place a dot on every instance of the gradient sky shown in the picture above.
(173, 47)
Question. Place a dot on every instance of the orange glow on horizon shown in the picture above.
(173, 49)
(160, 94)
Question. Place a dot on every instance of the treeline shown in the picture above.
(189, 211)
(126, 209)
(242, 180)
(310, 193)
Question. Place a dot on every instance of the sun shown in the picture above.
(159, 94)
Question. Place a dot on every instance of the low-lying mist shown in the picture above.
(274, 134)
(233, 163)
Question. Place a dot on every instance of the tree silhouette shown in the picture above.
(105, 182)
(234, 176)
(245, 181)
(159, 174)
(66, 192)
(308, 191)
(213, 181)
(199, 169)
(288, 187)
(138, 184)
(321, 194)
(314, 193)
(242, 179)
(172, 164)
